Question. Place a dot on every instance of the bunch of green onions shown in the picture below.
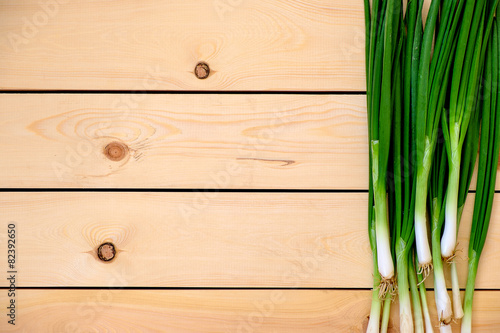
(423, 85)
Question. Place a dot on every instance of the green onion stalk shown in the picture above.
(432, 86)
(402, 191)
(422, 319)
(376, 306)
(380, 145)
(384, 20)
(423, 297)
(386, 315)
(403, 203)
(395, 174)
(418, 318)
(437, 197)
(488, 160)
(413, 43)
(468, 162)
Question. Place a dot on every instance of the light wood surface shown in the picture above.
(187, 240)
(135, 45)
(184, 141)
(221, 311)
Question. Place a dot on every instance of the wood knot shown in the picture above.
(106, 252)
(202, 71)
(115, 151)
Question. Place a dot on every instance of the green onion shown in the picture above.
(371, 26)
(418, 318)
(422, 319)
(423, 297)
(468, 163)
(402, 195)
(384, 19)
(380, 144)
(427, 111)
(437, 196)
(376, 306)
(488, 160)
(386, 314)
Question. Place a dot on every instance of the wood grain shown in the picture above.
(131, 45)
(193, 311)
(184, 141)
(190, 240)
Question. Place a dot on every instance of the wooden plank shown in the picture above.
(189, 240)
(193, 311)
(131, 45)
(184, 141)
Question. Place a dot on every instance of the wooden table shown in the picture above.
(235, 203)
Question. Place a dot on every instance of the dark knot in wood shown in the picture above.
(106, 251)
(115, 151)
(202, 71)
